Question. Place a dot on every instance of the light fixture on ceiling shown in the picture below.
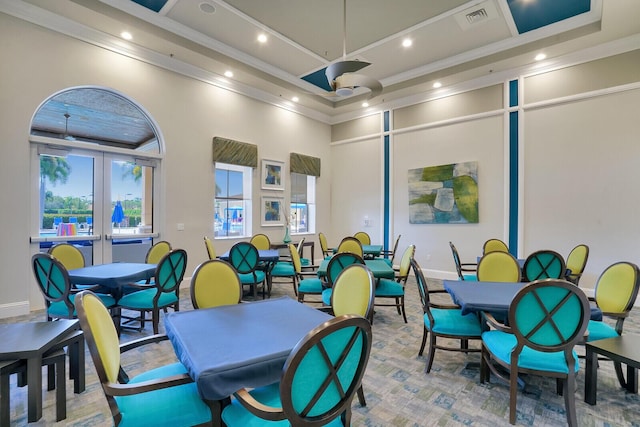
(66, 128)
(126, 35)
(342, 75)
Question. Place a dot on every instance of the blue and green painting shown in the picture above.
(445, 194)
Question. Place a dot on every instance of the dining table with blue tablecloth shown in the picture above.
(491, 297)
(231, 347)
(112, 275)
(369, 251)
(379, 267)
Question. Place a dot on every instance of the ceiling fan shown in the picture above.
(342, 75)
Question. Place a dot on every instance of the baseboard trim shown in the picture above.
(13, 309)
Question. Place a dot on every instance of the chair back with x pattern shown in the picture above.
(338, 262)
(550, 316)
(324, 371)
(53, 280)
(244, 257)
(544, 264)
(170, 271)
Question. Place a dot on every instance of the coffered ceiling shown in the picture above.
(452, 40)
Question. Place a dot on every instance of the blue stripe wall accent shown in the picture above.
(387, 180)
(513, 182)
(513, 169)
(513, 93)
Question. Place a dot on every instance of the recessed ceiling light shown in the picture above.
(436, 85)
(126, 35)
(207, 8)
(540, 57)
(295, 99)
(407, 42)
(228, 74)
(262, 38)
(365, 104)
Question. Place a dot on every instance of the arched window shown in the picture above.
(95, 155)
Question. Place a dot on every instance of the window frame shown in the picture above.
(247, 188)
(310, 204)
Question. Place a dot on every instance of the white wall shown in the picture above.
(581, 174)
(356, 190)
(478, 140)
(38, 63)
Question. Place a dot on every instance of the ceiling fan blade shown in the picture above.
(352, 80)
(338, 68)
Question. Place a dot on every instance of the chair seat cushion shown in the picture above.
(600, 330)
(172, 406)
(452, 322)
(59, 309)
(470, 277)
(236, 414)
(389, 288)
(326, 296)
(305, 261)
(248, 278)
(501, 344)
(310, 286)
(144, 299)
(283, 269)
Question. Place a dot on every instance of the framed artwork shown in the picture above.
(271, 211)
(272, 175)
(444, 194)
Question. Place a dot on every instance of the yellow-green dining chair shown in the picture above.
(215, 283)
(494, 245)
(499, 267)
(163, 396)
(576, 262)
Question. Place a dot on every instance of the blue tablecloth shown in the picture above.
(368, 250)
(245, 345)
(112, 275)
(492, 297)
(264, 255)
(379, 267)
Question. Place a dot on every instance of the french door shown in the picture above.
(102, 202)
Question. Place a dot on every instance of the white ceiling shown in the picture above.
(305, 36)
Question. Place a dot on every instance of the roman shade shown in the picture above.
(235, 152)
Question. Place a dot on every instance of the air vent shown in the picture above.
(477, 15)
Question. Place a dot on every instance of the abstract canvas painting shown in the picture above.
(445, 194)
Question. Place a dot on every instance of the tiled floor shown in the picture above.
(398, 391)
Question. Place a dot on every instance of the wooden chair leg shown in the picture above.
(424, 340)
(361, 399)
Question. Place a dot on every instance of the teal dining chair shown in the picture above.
(244, 257)
(163, 293)
(615, 294)
(308, 282)
(162, 396)
(463, 268)
(547, 318)
(544, 264)
(59, 296)
(387, 289)
(443, 321)
(319, 380)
